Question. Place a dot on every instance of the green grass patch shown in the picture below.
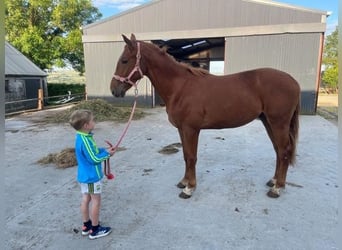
(66, 76)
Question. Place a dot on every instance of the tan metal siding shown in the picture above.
(101, 59)
(296, 54)
(100, 64)
(200, 14)
(293, 53)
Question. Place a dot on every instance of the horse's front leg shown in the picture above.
(189, 138)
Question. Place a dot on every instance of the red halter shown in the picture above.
(135, 69)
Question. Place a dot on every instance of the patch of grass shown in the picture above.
(66, 76)
(103, 111)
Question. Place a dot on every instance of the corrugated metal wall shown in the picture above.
(296, 54)
(101, 61)
(166, 15)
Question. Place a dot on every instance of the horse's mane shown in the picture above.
(192, 70)
(195, 71)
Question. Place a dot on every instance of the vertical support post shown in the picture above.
(85, 93)
(40, 99)
(318, 72)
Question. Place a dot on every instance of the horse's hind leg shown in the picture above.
(189, 138)
(281, 141)
(263, 118)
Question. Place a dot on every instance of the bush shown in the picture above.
(56, 89)
(330, 78)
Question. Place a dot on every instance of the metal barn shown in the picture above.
(242, 34)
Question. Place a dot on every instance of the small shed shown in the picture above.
(242, 34)
(22, 80)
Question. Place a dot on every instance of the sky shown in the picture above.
(113, 7)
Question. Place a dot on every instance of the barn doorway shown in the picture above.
(206, 53)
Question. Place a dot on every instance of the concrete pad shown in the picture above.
(229, 209)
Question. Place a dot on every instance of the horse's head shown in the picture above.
(128, 70)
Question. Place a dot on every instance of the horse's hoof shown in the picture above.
(273, 194)
(184, 195)
(270, 183)
(181, 185)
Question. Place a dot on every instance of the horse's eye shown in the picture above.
(124, 61)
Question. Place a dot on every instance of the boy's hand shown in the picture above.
(111, 151)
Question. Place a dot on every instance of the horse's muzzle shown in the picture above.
(118, 93)
(117, 88)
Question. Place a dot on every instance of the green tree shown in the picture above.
(330, 60)
(49, 31)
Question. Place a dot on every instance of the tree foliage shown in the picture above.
(330, 60)
(49, 32)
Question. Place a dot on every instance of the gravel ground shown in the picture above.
(229, 210)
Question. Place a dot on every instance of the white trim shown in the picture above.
(221, 32)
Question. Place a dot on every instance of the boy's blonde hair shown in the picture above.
(80, 117)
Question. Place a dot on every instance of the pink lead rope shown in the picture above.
(128, 80)
(107, 162)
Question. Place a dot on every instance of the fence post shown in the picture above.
(40, 99)
(86, 93)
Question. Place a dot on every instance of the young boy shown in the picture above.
(89, 172)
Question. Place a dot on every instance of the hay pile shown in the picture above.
(64, 159)
(103, 111)
(170, 149)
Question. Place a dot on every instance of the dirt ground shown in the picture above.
(327, 107)
(325, 100)
(229, 209)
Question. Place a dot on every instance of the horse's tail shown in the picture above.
(294, 127)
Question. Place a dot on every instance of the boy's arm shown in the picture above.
(91, 154)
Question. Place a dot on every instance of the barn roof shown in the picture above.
(19, 65)
(155, 2)
(173, 23)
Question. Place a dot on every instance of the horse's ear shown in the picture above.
(128, 42)
(165, 48)
(133, 39)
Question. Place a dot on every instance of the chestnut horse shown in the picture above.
(196, 99)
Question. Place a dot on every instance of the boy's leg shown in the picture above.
(97, 230)
(85, 213)
(95, 208)
(85, 207)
